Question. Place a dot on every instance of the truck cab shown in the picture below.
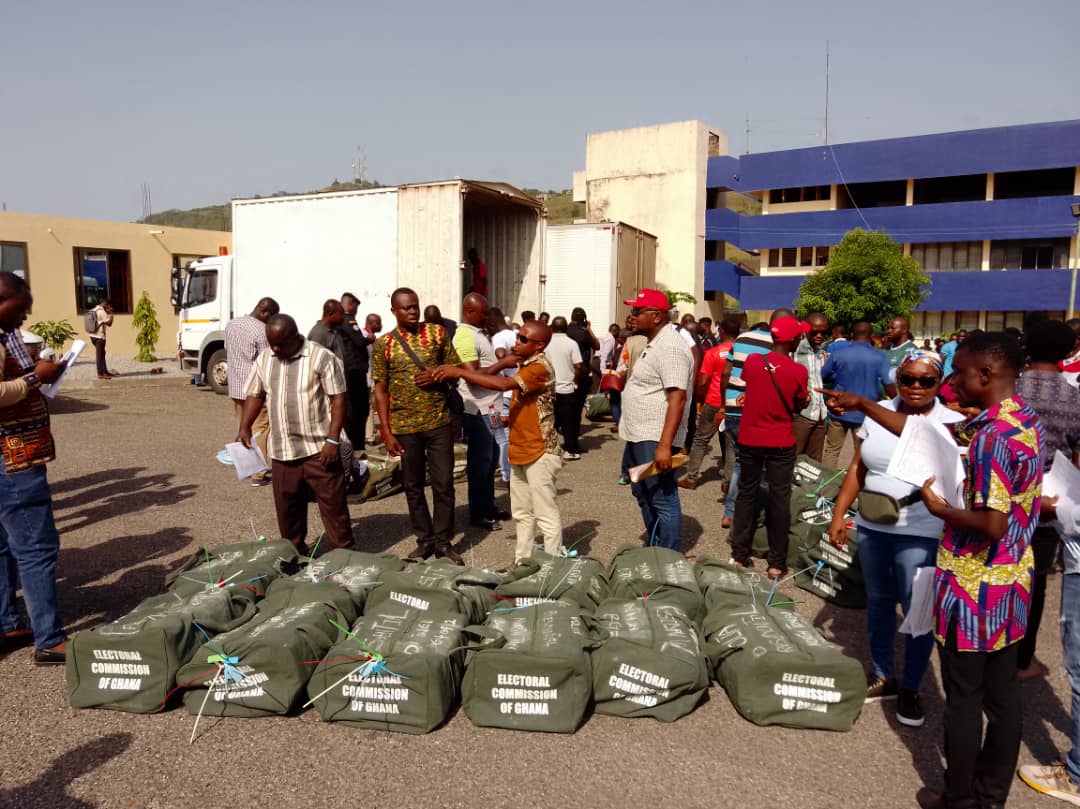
(201, 295)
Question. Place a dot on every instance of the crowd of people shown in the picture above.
(515, 393)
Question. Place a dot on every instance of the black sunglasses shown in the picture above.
(819, 332)
(911, 381)
(637, 310)
(523, 339)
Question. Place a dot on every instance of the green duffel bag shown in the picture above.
(597, 407)
(410, 676)
(131, 664)
(249, 565)
(356, 571)
(729, 587)
(533, 671)
(842, 587)
(778, 669)
(475, 585)
(659, 574)
(383, 477)
(543, 577)
(262, 668)
(399, 589)
(652, 662)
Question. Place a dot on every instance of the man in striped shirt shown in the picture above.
(245, 339)
(755, 341)
(303, 385)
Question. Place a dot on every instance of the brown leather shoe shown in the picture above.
(448, 552)
(688, 483)
(15, 639)
(420, 552)
(57, 655)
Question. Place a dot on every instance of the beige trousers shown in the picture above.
(532, 503)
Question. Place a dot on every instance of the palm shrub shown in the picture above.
(145, 320)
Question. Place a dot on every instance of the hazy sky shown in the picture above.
(213, 100)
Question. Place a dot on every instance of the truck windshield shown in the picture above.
(202, 287)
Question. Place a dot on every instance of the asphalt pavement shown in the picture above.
(136, 489)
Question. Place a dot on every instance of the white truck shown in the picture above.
(597, 267)
(302, 250)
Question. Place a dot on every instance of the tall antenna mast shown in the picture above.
(826, 92)
(747, 134)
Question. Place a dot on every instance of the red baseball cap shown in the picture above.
(650, 299)
(788, 328)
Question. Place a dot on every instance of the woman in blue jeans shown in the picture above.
(890, 552)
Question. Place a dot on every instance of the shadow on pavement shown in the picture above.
(117, 494)
(63, 405)
(83, 572)
(1043, 713)
(93, 479)
(50, 788)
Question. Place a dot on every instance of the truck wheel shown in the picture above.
(217, 372)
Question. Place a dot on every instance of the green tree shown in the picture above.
(54, 332)
(868, 277)
(145, 320)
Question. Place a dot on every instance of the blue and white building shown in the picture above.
(988, 213)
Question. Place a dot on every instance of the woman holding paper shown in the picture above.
(896, 534)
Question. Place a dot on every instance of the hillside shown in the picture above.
(561, 208)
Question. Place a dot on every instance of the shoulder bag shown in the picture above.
(454, 403)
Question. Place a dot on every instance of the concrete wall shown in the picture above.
(51, 241)
(653, 178)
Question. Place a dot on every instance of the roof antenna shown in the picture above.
(826, 92)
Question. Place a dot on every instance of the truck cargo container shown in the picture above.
(597, 267)
(302, 250)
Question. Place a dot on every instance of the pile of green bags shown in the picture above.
(659, 574)
(356, 571)
(579, 580)
(440, 585)
(247, 565)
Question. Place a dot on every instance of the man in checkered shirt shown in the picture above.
(654, 414)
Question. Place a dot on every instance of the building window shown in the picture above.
(948, 256)
(791, 258)
(872, 195)
(101, 274)
(13, 259)
(1024, 254)
(1039, 183)
(809, 193)
(964, 188)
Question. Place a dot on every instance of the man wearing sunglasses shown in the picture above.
(654, 414)
(811, 422)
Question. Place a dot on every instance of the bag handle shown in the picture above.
(408, 350)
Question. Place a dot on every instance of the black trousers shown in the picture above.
(978, 771)
(359, 405)
(1044, 545)
(296, 483)
(777, 464)
(568, 419)
(99, 355)
(430, 454)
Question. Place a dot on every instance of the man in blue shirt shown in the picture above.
(948, 351)
(859, 368)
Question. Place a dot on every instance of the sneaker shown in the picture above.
(1054, 781)
(571, 456)
(908, 709)
(264, 480)
(879, 688)
(624, 480)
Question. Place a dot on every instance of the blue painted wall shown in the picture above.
(1008, 148)
(1013, 290)
(1036, 217)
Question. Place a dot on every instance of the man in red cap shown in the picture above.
(776, 389)
(654, 414)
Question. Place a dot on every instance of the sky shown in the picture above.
(214, 100)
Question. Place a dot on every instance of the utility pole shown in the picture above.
(1075, 261)
(826, 92)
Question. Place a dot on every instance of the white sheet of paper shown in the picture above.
(926, 448)
(73, 353)
(1063, 479)
(246, 461)
(920, 618)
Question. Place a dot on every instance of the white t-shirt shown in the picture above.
(562, 352)
(505, 340)
(877, 450)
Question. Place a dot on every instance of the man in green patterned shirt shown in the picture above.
(415, 419)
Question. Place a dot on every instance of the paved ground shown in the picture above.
(136, 489)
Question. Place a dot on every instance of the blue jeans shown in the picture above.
(480, 462)
(502, 438)
(1070, 653)
(731, 427)
(29, 545)
(888, 564)
(615, 397)
(658, 497)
